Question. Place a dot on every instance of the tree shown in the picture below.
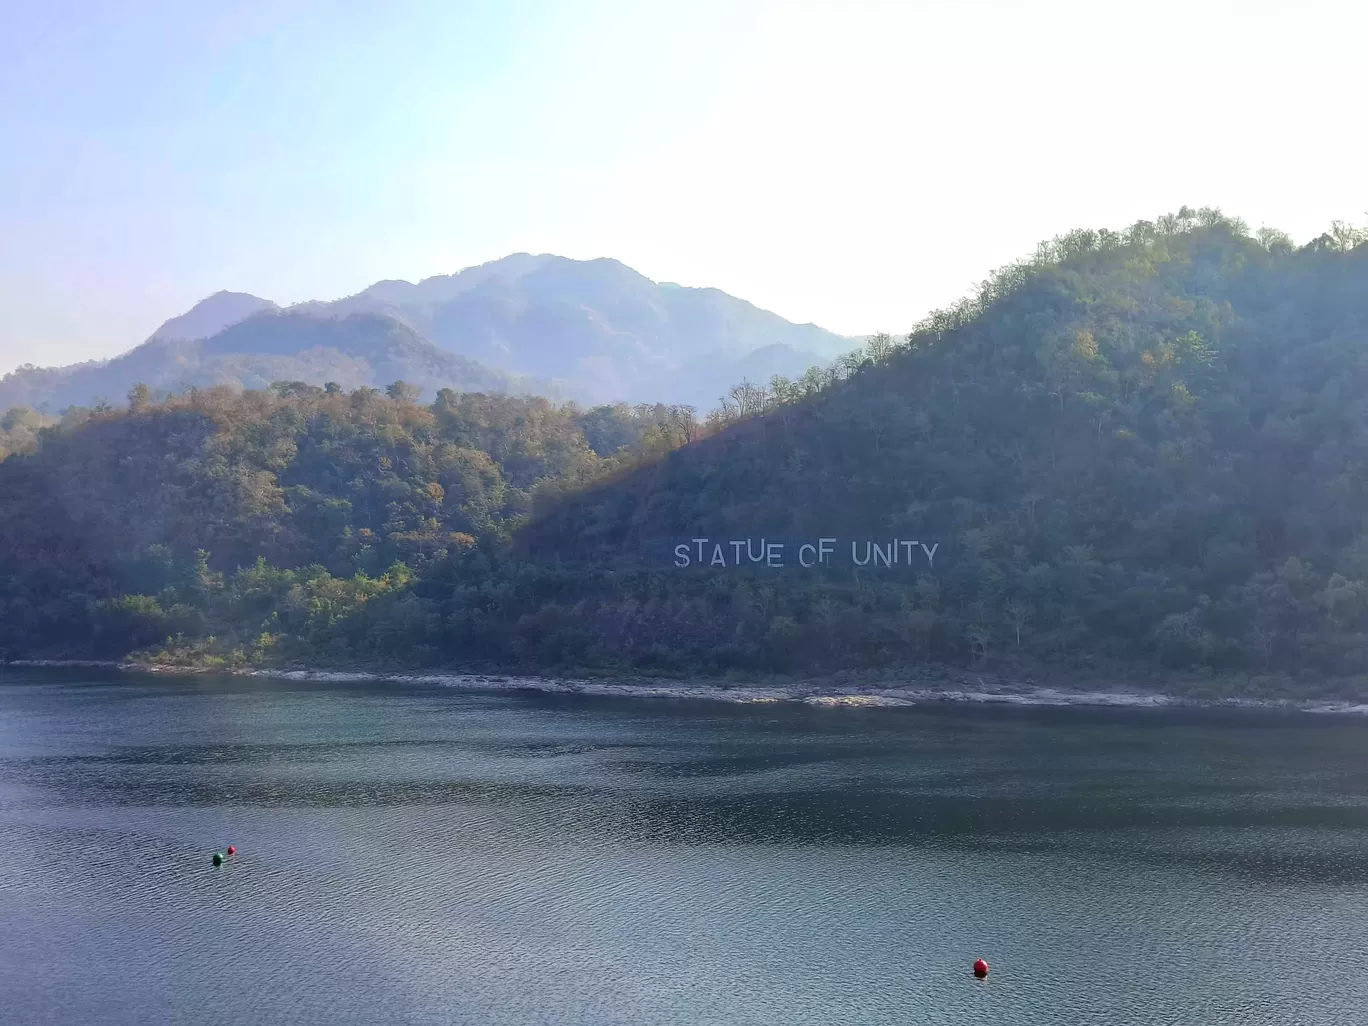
(880, 347)
(402, 391)
(1018, 615)
(1140, 447)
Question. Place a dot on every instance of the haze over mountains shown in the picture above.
(594, 330)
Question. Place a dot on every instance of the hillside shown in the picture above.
(1138, 449)
(593, 330)
(120, 528)
(1140, 446)
(265, 347)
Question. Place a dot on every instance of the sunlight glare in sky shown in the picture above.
(850, 164)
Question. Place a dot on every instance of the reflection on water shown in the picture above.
(423, 855)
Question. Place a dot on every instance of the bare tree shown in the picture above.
(748, 399)
(1345, 237)
(1018, 616)
(880, 347)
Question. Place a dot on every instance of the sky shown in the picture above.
(852, 164)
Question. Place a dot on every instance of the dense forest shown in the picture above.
(1145, 448)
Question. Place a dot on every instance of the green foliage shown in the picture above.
(19, 429)
(1145, 447)
(1119, 445)
(205, 512)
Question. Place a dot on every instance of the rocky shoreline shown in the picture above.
(956, 687)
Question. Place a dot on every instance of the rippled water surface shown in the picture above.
(415, 854)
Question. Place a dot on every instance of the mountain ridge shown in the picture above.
(595, 330)
(211, 315)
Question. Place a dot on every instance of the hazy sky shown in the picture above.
(852, 164)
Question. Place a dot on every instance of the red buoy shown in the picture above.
(232, 850)
(980, 968)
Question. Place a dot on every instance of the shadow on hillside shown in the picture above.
(719, 485)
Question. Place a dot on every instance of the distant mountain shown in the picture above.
(593, 330)
(212, 315)
(608, 332)
(273, 345)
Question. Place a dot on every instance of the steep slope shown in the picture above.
(607, 331)
(1147, 445)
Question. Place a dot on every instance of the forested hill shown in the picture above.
(266, 522)
(1143, 448)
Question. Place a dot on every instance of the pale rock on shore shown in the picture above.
(817, 694)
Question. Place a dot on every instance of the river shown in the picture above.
(424, 854)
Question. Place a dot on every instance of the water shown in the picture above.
(425, 855)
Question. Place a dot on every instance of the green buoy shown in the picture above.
(218, 858)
